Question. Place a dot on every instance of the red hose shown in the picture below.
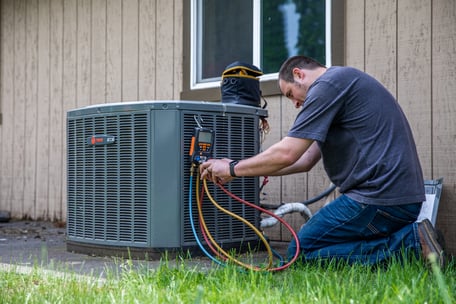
(281, 220)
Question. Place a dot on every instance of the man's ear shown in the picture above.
(298, 74)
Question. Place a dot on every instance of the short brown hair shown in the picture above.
(300, 61)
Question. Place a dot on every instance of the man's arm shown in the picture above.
(279, 158)
(306, 162)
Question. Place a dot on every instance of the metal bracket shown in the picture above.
(198, 119)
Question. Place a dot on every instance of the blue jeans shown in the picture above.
(355, 232)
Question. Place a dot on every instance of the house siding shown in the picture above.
(409, 45)
(58, 55)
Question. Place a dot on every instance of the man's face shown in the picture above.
(295, 91)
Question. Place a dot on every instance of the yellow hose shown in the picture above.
(227, 255)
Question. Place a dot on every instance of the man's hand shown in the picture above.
(216, 170)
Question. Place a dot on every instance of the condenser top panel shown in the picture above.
(167, 105)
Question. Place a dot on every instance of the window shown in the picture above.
(261, 32)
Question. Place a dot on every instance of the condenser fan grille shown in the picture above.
(107, 184)
(236, 137)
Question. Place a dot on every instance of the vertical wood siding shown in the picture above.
(410, 45)
(58, 55)
(442, 117)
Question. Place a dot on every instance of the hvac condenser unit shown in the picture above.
(129, 170)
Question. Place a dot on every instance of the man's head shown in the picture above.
(296, 75)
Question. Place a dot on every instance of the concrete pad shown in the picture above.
(25, 245)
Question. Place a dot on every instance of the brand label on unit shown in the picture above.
(97, 140)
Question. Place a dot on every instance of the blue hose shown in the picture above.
(192, 224)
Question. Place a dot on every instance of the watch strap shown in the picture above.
(233, 163)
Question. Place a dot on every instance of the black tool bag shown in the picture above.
(240, 84)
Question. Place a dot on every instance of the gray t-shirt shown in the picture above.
(366, 143)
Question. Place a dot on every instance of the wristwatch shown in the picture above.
(233, 163)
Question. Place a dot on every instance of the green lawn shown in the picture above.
(412, 282)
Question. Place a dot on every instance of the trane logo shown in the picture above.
(97, 140)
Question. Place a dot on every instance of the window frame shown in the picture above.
(335, 53)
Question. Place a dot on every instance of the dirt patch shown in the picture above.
(25, 230)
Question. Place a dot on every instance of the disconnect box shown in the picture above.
(128, 170)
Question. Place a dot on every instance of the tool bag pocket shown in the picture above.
(240, 84)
